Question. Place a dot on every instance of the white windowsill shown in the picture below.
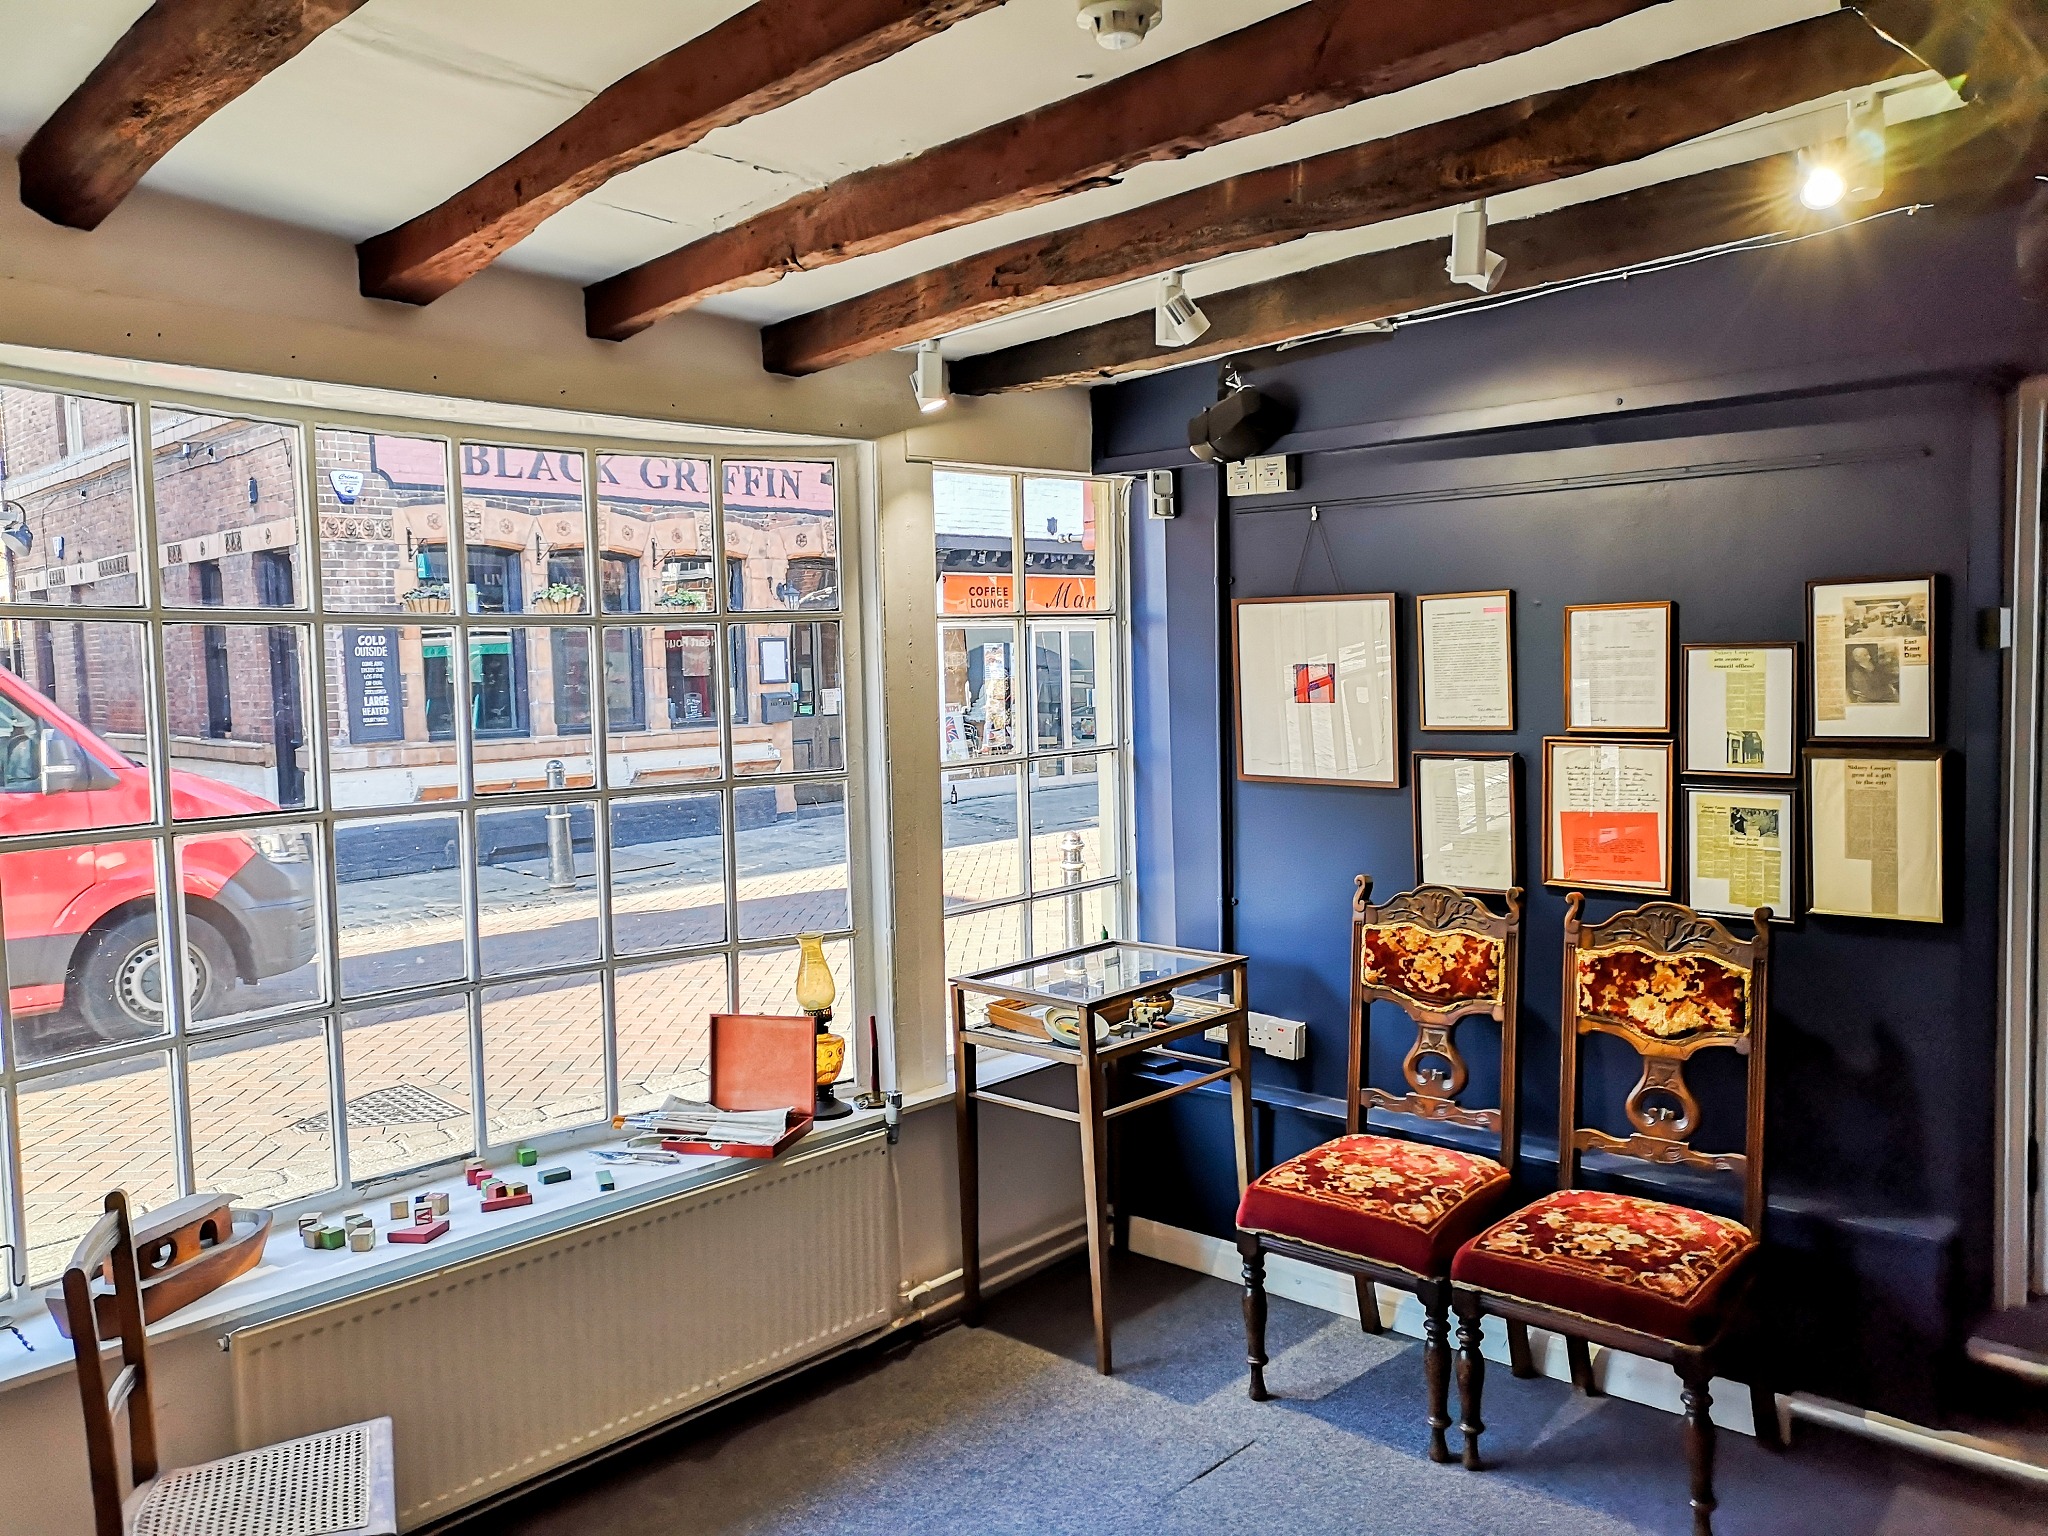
(293, 1278)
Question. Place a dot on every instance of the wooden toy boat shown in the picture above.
(183, 1251)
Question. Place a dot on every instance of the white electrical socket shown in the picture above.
(1284, 1038)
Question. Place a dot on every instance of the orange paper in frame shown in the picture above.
(1610, 848)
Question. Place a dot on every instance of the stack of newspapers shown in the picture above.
(690, 1120)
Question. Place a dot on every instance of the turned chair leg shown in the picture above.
(1471, 1375)
(1255, 1315)
(1580, 1353)
(1436, 1368)
(1699, 1448)
(1520, 1361)
(1368, 1307)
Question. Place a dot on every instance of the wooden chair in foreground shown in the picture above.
(1642, 1276)
(337, 1482)
(1380, 1208)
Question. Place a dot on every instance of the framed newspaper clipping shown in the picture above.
(1872, 644)
(1874, 832)
(1740, 843)
(1741, 710)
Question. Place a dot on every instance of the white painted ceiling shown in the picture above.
(407, 101)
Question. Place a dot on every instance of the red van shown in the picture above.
(80, 921)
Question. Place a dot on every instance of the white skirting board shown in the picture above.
(1619, 1375)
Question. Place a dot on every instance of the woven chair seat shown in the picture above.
(336, 1483)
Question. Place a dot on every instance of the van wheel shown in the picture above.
(121, 983)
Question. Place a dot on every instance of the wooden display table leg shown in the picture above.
(1095, 1193)
(967, 1132)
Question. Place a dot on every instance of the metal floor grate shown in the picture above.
(310, 1487)
(402, 1105)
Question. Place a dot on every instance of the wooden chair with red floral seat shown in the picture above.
(1646, 1277)
(1380, 1208)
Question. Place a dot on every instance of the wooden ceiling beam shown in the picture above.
(180, 63)
(1939, 160)
(1996, 49)
(1527, 143)
(1311, 59)
(767, 56)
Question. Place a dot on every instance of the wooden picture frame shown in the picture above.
(1871, 645)
(1722, 876)
(1908, 884)
(1476, 610)
(1714, 746)
(1638, 779)
(1292, 658)
(1492, 853)
(1607, 676)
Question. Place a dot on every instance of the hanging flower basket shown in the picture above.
(428, 597)
(557, 599)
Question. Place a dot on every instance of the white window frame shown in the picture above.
(308, 407)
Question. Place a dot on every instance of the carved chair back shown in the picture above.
(1669, 983)
(1439, 956)
(110, 1247)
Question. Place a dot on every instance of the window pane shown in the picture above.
(236, 696)
(982, 861)
(1070, 700)
(664, 1023)
(1073, 820)
(523, 518)
(530, 708)
(543, 1057)
(767, 980)
(656, 510)
(391, 715)
(260, 1122)
(407, 1069)
(84, 1133)
(782, 535)
(977, 691)
(790, 848)
(227, 510)
(794, 716)
(974, 517)
(72, 702)
(668, 872)
(975, 941)
(398, 885)
(252, 907)
(1062, 522)
(383, 504)
(661, 701)
(84, 958)
(536, 887)
(67, 484)
(1067, 922)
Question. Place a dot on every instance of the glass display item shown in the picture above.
(814, 994)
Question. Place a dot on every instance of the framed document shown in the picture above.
(1873, 658)
(1465, 834)
(1739, 846)
(1317, 701)
(1466, 646)
(1874, 832)
(1741, 712)
(1607, 814)
(1617, 667)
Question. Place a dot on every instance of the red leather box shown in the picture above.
(761, 1061)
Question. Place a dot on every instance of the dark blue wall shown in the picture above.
(1831, 409)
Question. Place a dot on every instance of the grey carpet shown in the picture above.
(1007, 1428)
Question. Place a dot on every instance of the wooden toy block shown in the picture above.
(507, 1201)
(332, 1237)
(423, 1215)
(554, 1175)
(496, 1189)
(528, 1157)
(438, 1199)
(362, 1239)
(476, 1173)
(401, 1208)
(518, 1188)
(417, 1233)
(605, 1179)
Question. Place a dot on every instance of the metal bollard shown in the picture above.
(1070, 874)
(561, 846)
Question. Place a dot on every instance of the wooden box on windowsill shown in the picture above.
(761, 1061)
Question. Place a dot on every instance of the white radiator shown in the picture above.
(503, 1367)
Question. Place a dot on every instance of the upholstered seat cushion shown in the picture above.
(1400, 1202)
(1659, 1269)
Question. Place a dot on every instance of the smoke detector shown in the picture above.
(1119, 23)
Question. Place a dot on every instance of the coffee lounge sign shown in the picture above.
(411, 463)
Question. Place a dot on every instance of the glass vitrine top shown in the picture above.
(1101, 972)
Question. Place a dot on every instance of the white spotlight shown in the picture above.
(1119, 24)
(1471, 262)
(928, 379)
(1821, 186)
(1176, 318)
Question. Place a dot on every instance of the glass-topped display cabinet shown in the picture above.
(1113, 1013)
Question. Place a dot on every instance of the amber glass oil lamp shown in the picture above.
(814, 994)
